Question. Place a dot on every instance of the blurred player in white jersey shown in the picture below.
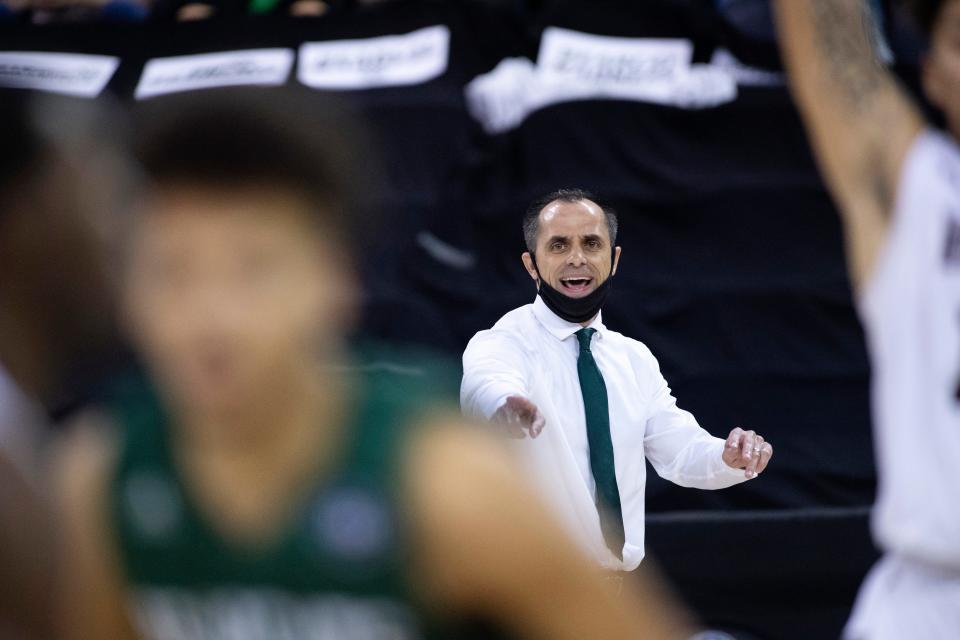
(897, 184)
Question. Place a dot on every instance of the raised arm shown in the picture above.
(860, 122)
(488, 548)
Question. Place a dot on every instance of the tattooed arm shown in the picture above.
(860, 123)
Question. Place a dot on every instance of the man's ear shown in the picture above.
(616, 260)
(528, 265)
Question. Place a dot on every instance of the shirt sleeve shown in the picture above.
(494, 367)
(679, 449)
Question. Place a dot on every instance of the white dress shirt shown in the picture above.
(532, 352)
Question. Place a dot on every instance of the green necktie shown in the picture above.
(597, 412)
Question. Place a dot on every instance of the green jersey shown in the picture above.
(339, 571)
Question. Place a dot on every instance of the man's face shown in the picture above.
(941, 69)
(229, 293)
(573, 248)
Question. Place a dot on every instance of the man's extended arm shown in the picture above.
(495, 384)
(860, 123)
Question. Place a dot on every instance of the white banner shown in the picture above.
(264, 67)
(583, 66)
(74, 74)
(384, 61)
(648, 65)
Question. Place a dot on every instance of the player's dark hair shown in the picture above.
(531, 218)
(925, 12)
(273, 138)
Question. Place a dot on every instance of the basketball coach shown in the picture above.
(592, 400)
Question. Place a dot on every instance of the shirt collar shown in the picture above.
(562, 329)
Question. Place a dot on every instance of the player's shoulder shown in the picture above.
(940, 144)
(927, 208)
(933, 161)
(460, 473)
(84, 455)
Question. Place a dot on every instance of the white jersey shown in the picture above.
(911, 313)
(22, 424)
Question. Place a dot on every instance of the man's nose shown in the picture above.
(576, 257)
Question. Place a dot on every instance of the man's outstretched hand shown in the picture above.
(747, 450)
(521, 417)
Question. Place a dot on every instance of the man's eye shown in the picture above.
(557, 246)
(593, 244)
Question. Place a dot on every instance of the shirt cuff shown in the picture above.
(502, 400)
(730, 472)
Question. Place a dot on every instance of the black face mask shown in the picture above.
(573, 309)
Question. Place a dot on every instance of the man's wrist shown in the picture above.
(732, 471)
(726, 469)
(501, 401)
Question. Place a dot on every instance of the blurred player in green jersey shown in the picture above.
(269, 489)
